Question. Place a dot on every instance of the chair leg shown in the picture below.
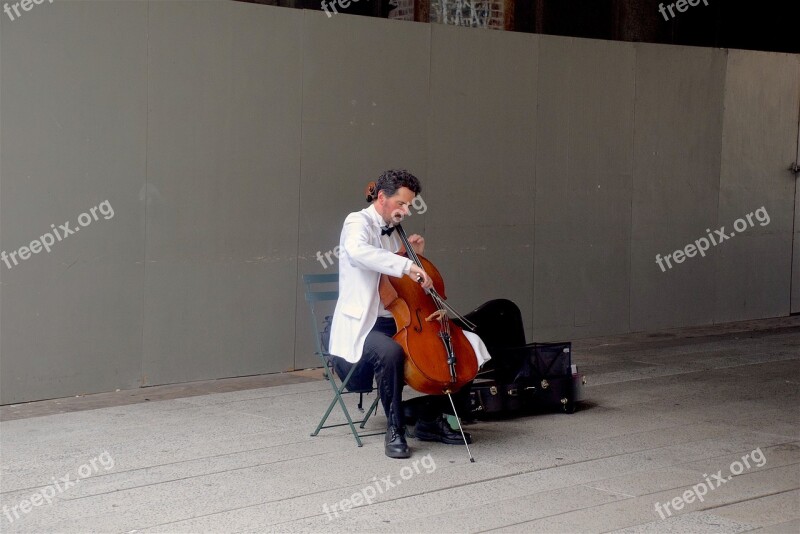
(372, 410)
(325, 417)
(337, 391)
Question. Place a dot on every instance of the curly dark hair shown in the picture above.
(392, 180)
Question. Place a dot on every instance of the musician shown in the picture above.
(362, 329)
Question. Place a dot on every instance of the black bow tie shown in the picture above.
(387, 230)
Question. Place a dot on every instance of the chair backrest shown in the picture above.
(361, 379)
(318, 291)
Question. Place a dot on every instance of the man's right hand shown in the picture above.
(420, 276)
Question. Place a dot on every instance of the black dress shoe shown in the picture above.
(395, 443)
(439, 430)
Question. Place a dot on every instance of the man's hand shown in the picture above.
(421, 276)
(417, 242)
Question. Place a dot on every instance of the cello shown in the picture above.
(439, 358)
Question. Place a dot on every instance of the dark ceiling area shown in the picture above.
(766, 25)
(769, 25)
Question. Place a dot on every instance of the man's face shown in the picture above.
(395, 207)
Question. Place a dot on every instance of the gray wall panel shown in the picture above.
(547, 180)
(481, 176)
(584, 170)
(796, 255)
(74, 116)
(677, 142)
(217, 319)
(365, 109)
(796, 249)
(223, 161)
(759, 141)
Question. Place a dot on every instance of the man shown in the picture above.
(362, 329)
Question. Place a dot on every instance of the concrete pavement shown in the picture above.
(665, 412)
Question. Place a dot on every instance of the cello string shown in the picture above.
(440, 302)
(441, 305)
(469, 324)
(444, 325)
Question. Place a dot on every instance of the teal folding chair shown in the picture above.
(315, 297)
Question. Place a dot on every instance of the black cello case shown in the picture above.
(521, 377)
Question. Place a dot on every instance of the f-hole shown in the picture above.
(418, 329)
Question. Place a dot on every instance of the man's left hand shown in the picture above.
(417, 242)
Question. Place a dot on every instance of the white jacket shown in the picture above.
(362, 260)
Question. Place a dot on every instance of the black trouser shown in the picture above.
(385, 357)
